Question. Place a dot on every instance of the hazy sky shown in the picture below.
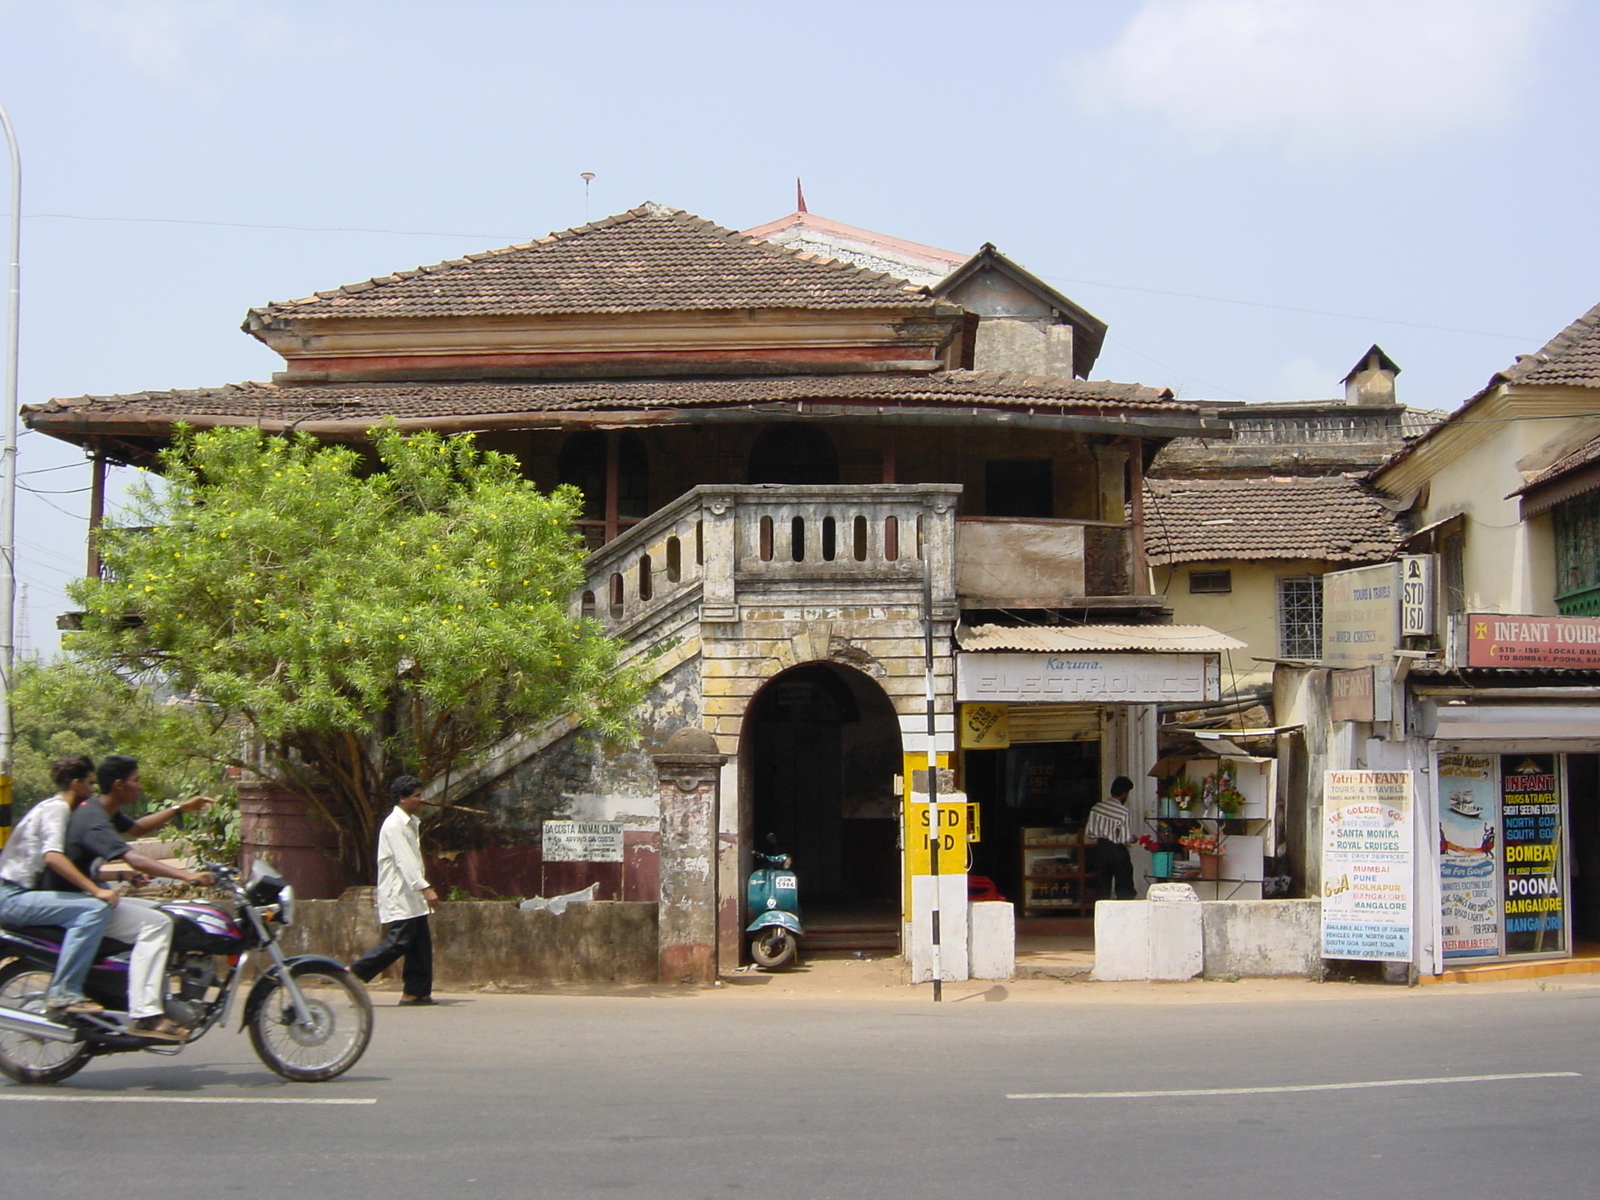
(1250, 192)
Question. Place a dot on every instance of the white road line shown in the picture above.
(39, 1097)
(1303, 1087)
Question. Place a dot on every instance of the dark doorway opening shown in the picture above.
(1019, 487)
(793, 454)
(1583, 818)
(1027, 786)
(823, 745)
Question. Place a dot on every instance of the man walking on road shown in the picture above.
(405, 898)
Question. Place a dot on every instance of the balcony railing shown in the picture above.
(724, 546)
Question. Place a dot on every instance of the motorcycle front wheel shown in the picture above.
(335, 1038)
(23, 1057)
(772, 947)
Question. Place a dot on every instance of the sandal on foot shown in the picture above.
(81, 1007)
(160, 1029)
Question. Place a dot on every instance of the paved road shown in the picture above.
(709, 1096)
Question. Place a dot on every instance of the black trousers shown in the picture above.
(1113, 871)
(408, 939)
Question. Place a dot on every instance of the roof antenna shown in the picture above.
(588, 178)
(799, 196)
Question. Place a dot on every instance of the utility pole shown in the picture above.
(8, 481)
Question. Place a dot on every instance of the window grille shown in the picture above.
(1577, 530)
(1300, 617)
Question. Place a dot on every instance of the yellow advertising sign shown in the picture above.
(952, 839)
(985, 726)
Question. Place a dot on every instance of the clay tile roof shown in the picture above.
(1332, 519)
(362, 405)
(1571, 358)
(647, 259)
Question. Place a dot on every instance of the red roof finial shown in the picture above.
(799, 196)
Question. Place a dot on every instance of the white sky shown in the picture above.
(1250, 192)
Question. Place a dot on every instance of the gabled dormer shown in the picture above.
(1026, 325)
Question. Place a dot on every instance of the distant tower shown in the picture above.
(588, 178)
(1371, 381)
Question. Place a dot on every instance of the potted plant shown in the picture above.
(1184, 792)
(1208, 848)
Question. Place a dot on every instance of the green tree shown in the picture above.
(361, 618)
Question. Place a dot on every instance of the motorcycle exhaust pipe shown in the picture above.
(17, 1021)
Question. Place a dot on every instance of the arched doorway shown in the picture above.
(793, 454)
(822, 744)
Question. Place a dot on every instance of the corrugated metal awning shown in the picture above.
(1064, 639)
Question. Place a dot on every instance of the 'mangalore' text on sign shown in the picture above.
(1089, 678)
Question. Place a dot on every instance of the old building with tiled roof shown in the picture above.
(793, 469)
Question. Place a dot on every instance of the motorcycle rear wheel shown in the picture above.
(25, 1058)
(773, 947)
(341, 1025)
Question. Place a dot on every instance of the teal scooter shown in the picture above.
(773, 894)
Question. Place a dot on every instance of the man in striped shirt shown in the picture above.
(1111, 829)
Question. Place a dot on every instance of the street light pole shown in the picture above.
(8, 482)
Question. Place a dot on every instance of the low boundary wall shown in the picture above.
(479, 942)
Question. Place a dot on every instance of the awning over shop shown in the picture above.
(1067, 639)
(1090, 664)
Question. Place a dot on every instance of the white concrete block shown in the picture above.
(1158, 938)
(992, 940)
(918, 938)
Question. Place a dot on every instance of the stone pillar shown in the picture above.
(689, 770)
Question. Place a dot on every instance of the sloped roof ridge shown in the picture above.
(650, 210)
(1556, 348)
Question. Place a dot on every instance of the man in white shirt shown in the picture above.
(1110, 829)
(38, 842)
(405, 898)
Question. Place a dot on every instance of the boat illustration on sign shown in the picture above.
(1463, 805)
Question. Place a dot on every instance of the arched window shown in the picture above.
(793, 453)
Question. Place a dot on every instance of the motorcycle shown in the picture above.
(773, 894)
(309, 1018)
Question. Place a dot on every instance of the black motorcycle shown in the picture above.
(309, 1018)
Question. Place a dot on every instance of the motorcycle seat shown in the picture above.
(52, 934)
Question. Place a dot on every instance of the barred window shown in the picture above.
(1300, 616)
(1210, 581)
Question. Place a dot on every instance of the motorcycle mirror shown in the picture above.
(772, 839)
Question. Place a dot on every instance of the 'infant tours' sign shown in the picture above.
(1366, 865)
(582, 841)
(1501, 640)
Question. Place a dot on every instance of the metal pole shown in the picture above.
(8, 481)
(935, 831)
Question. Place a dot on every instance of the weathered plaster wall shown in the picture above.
(1249, 612)
(487, 943)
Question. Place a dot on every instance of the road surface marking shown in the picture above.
(54, 1099)
(1302, 1087)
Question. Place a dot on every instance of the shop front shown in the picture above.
(1048, 717)
(1516, 802)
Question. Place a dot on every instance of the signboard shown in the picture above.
(1360, 615)
(582, 841)
(1416, 595)
(985, 726)
(1366, 865)
(1500, 640)
(1469, 815)
(1087, 678)
(952, 838)
(1350, 694)
(1534, 888)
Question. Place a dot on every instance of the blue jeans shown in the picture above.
(81, 917)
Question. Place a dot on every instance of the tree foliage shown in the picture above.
(362, 617)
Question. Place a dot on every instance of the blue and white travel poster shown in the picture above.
(1468, 816)
(1367, 865)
